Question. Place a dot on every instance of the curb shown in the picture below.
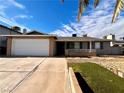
(75, 88)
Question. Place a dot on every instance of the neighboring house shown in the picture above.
(3, 40)
(35, 33)
(118, 44)
(110, 37)
(49, 45)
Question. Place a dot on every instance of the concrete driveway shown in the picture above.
(33, 75)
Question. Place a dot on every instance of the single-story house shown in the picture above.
(50, 45)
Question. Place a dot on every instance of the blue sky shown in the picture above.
(51, 16)
(42, 15)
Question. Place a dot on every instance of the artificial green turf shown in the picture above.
(99, 79)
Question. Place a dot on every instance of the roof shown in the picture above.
(23, 36)
(35, 33)
(80, 39)
(9, 29)
(61, 39)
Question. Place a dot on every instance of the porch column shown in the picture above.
(90, 46)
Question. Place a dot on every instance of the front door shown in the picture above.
(60, 51)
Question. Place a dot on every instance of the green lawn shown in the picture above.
(98, 79)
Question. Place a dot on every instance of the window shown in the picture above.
(70, 45)
(97, 45)
(93, 45)
(77, 45)
(74, 45)
(81, 45)
(88, 46)
(84, 45)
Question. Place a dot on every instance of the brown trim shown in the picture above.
(22, 36)
(9, 46)
(28, 37)
(51, 47)
(82, 41)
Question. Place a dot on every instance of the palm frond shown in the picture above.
(86, 2)
(96, 2)
(118, 8)
(82, 5)
(62, 1)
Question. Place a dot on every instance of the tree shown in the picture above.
(16, 28)
(84, 3)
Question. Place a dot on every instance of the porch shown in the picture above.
(75, 49)
(80, 52)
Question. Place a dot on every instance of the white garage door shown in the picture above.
(30, 47)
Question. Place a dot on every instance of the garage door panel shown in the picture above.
(30, 47)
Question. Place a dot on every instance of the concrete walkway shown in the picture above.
(49, 77)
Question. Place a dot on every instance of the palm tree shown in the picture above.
(84, 3)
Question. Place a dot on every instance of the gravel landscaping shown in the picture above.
(113, 63)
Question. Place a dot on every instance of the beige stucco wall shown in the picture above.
(52, 47)
(9, 45)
